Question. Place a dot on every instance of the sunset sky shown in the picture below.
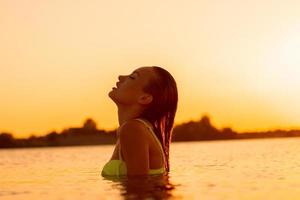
(237, 61)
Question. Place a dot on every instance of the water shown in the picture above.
(233, 169)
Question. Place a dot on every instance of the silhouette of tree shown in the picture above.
(52, 138)
(228, 133)
(32, 137)
(205, 121)
(90, 124)
(6, 140)
(200, 130)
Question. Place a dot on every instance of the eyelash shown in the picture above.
(131, 77)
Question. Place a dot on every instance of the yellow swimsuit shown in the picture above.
(118, 167)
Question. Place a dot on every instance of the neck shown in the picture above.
(126, 113)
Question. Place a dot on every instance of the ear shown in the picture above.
(145, 99)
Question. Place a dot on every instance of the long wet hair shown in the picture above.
(161, 111)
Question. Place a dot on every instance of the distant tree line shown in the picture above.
(88, 134)
(201, 130)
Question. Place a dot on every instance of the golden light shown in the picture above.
(281, 72)
(278, 78)
(290, 51)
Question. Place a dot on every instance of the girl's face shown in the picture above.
(129, 88)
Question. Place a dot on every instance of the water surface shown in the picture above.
(233, 169)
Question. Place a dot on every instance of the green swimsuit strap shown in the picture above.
(151, 130)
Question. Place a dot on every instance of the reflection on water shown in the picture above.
(215, 170)
(143, 187)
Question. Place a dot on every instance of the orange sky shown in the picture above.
(236, 60)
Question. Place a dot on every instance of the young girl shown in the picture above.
(147, 104)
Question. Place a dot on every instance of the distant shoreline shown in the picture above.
(88, 134)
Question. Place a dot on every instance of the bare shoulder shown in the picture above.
(133, 130)
(134, 141)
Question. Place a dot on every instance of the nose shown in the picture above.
(121, 77)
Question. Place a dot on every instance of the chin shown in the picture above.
(112, 96)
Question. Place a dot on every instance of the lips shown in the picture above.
(117, 86)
